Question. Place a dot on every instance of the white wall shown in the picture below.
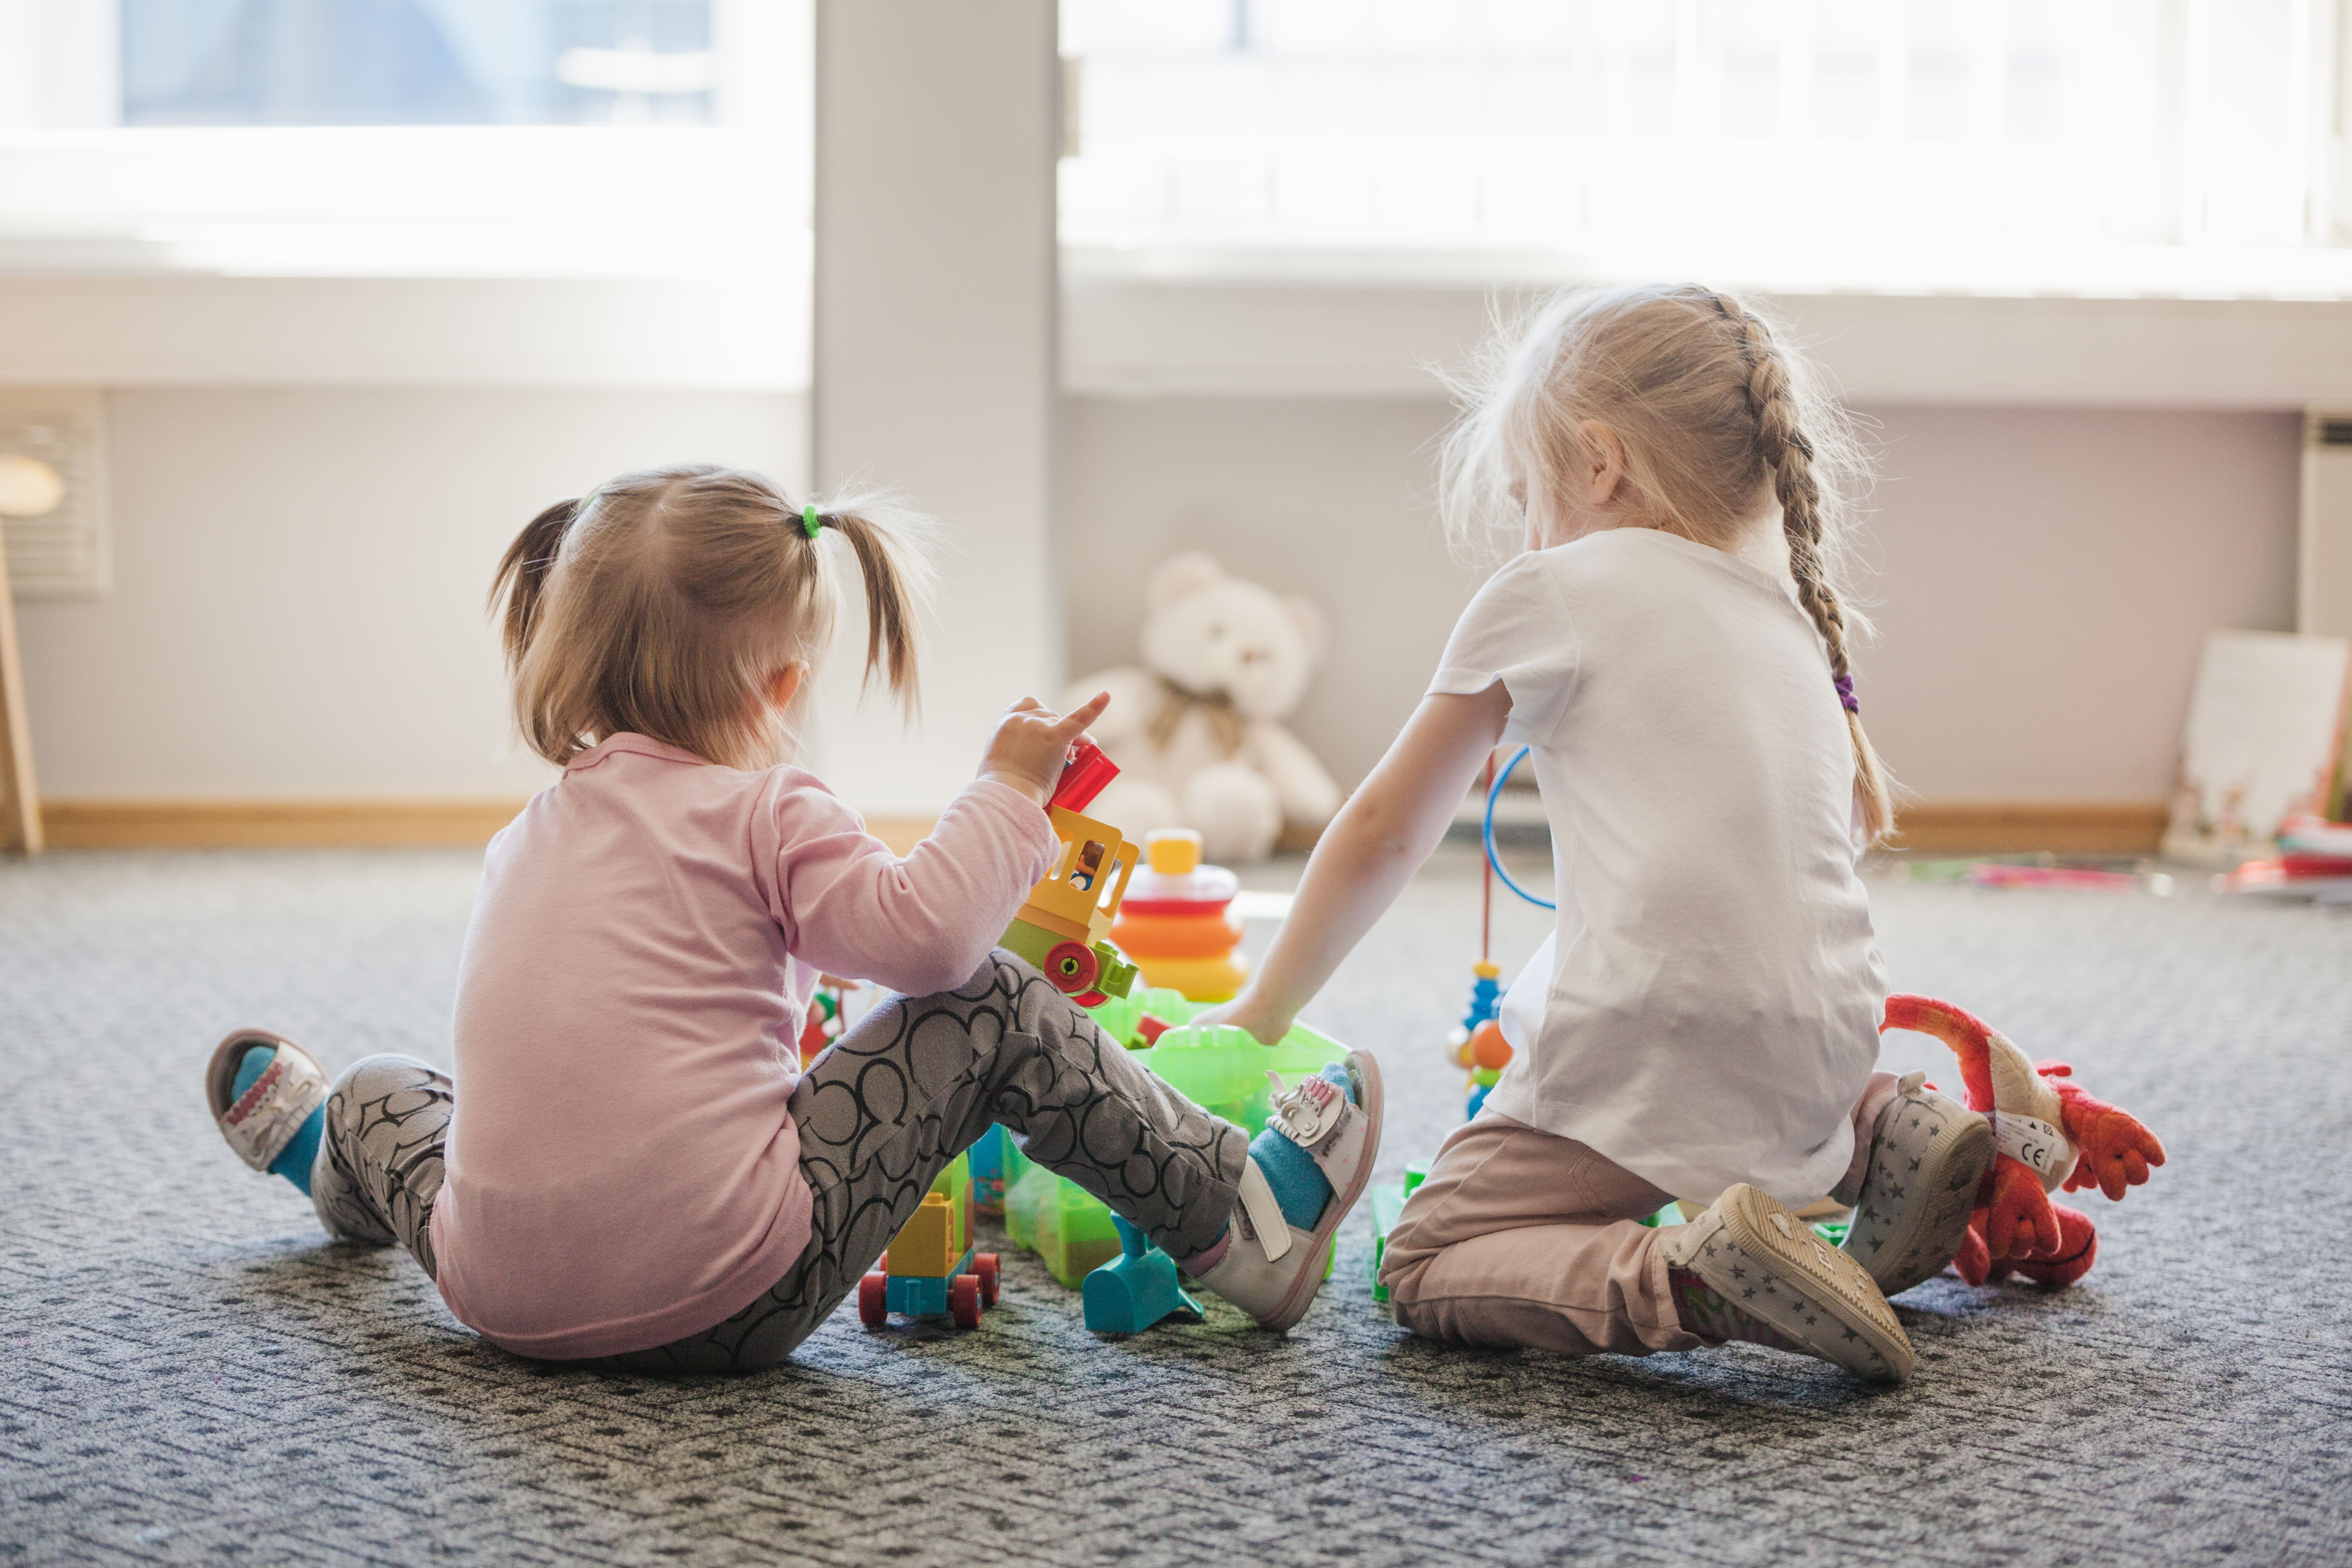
(298, 607)
(2047, 578)
(935, 358)
(2045, 575)
(1322, 496)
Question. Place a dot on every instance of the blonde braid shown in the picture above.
(1789, 454)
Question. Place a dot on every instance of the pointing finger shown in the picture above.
(1085, 713)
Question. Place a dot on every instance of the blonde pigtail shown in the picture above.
(885, 540)
(1789, 454)
(521, 579)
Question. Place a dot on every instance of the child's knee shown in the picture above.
(377, 1077)
(1401, 1273)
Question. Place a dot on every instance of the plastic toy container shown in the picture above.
(1121, 1017)
(1224, 1068)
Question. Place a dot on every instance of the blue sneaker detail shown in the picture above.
(294, 1164)
(1297, 1181)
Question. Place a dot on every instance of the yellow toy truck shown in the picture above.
(1062, 927)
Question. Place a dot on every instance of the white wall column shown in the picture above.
(936, 357)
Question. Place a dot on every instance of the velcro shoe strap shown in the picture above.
(266, 1117)
(1340, 1152)
(1265, 1212)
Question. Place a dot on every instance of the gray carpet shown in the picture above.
(191, 1373)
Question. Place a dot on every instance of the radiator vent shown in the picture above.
(53, 514)
(2329, 430)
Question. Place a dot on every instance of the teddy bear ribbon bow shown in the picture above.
(1175, 701)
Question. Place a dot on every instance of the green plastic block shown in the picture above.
(1387, 1202)
(955, 1182)
(1067, 1226)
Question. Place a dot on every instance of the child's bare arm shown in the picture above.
(1368, 854)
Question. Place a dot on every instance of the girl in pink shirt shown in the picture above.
(628, 1162)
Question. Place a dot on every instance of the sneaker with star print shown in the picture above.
(1769, 1280)
(1928, 1157)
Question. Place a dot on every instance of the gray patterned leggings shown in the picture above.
(879, 1115)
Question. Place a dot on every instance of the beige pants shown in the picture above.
(1522, 1237)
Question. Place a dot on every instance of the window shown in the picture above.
(2131, 145)
(418, 62)
(406, 138)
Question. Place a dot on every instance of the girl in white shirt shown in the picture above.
(1703, 1023)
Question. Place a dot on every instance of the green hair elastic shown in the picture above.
(810, 521)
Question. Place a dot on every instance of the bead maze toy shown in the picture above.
(929, 1269)
(1063, 926)
(1478, 1045)
(1137, 1289)
(1177, 920)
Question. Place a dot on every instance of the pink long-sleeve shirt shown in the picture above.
(623, 1168)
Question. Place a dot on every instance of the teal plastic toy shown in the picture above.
(990, 1159)
(1136, 1290)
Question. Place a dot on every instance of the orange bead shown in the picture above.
(1488, 1049)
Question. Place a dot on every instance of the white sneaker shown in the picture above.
(263, 1120)
(1928, 1157)
(1271, 1268)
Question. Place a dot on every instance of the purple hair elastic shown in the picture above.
(1846, 699)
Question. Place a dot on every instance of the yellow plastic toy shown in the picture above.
(1064, 927)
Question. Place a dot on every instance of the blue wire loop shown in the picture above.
(1494, 793)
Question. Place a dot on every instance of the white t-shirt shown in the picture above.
(1706, 1010)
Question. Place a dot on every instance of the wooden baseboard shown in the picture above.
(2108, 828)
(239, 824)
(2070, 826)
(901, 833)
(314, 824)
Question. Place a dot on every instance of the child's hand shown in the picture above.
(1032, 744)
(1267, 1024)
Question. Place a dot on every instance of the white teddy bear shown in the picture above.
(1197, 730)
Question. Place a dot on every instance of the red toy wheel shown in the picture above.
(873, 1301)
(1073, 967)
(1090, 998)
(983, 1264)
(963, 1300)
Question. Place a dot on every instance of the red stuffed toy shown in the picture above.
(2048, 1133)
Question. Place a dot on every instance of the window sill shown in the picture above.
(1265, 323)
